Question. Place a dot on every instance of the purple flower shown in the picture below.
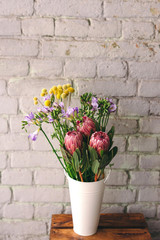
(61, 104)
(34, 135)
(47, 97)
(29, 117)
(110, 100)
(71, 112)
(50, 119)
(112, 108)
(94, 103)
(45, 109)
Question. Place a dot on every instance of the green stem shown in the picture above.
(53, 149)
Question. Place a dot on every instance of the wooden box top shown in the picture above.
(117, 226)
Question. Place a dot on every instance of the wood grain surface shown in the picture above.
(111, 227)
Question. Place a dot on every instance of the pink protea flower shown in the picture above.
(86, 126)
(100, 141)
(72, 141)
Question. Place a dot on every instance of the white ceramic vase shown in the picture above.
(86, 199)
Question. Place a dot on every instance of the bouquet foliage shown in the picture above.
(85, 146)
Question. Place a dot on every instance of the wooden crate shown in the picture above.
(117, 226)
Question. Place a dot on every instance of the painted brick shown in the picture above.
(105, 29)
(9, 27)
(125, 161)
(149, 162)
(18, 211)
(39, 194)
(80, 68)
(3, 160)
(107, 87)
(112, 209)
(74, 8)
(16, 177)
(119, 196)
(150, 125)
(2, 87)
(13, 68)
(133, 107)
(149, 194)
(16, 7)
(117, 178)
(23, 228)
(158, 211)
(42, 144)
(145, 89)
(120, 142)
(78, 49)
(144, 178)
(45, 68)
(123, 125)
(137, 30)
(127, 9)
(38, 26)
(112, 69)
(144, 70)
(71, 27)
(13, 142)
(131, 50)
(3, 125)
(142, 144)
(155, 107)
(153, 225)
(8, 105)
(49, 177)
(148, 210)
(30, 87)
(5, 194)
(15, 47)
(34, 159)
(46, 210)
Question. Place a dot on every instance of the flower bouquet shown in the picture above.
(86, 148)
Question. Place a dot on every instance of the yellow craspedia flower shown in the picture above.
(58, 96)
(64, 86)
(35, 98)
(66, 92)
(47, 103)
(60, 91)
(51, 91)
(44, 90)
(35, 102)
(71, 90)
(68, 85)
(64, 95)
(54, 88)
(42, 94)
(59, 87)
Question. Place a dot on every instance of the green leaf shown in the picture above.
(111, 134)
(65, 155)
(78, 153)
(107, 157)
(93, 154)
(76, 161)
(95, 166)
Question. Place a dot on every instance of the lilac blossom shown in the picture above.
(45, 109)
(61, 104)
(71, 112)
(50, 119)
(29, 118)
(112, 108)
(47, 97)
(34, 135)
(94, 103)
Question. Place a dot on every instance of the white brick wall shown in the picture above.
(108, 47)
